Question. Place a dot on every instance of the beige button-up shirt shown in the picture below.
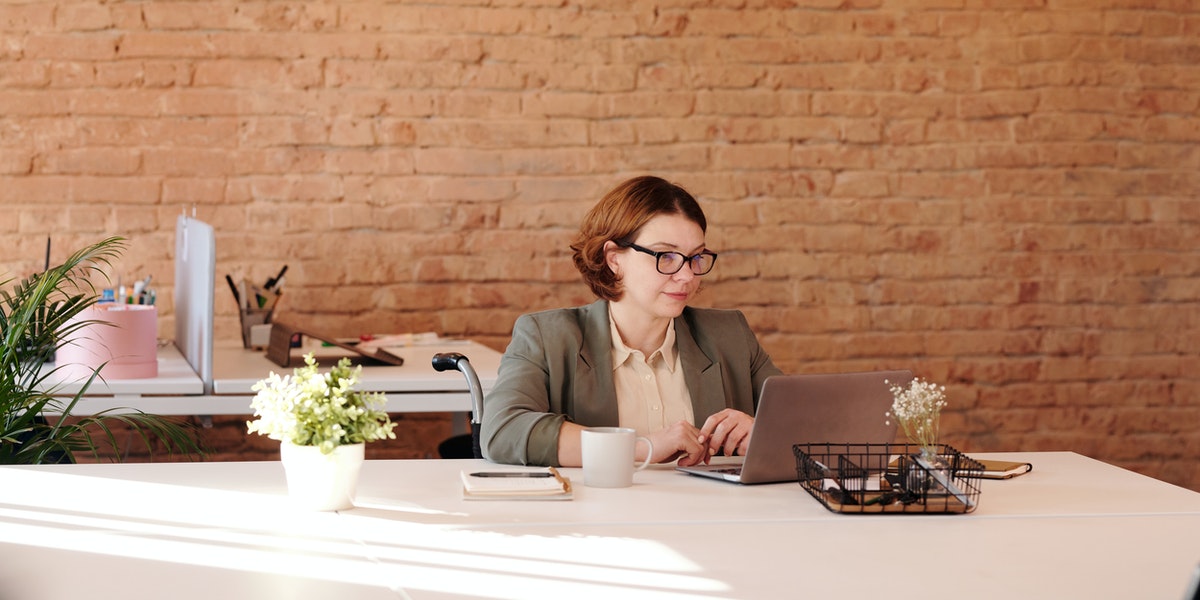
(651, 391)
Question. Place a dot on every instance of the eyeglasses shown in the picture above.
(670, 263)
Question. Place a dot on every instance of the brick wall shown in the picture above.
(1001, 196)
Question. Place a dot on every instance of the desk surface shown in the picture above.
(1074, 527)
(175, 378)
(178, 390)
(236, 370)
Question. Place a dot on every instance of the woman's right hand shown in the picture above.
(681, 441)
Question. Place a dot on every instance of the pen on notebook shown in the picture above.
(511, 474)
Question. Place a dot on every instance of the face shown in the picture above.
(646, 289)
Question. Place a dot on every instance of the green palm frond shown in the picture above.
(36, 319)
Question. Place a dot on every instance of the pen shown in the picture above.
(511, 474)
(272, 281)
(244, 296)
(237, 298)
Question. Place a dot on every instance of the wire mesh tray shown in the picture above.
(888, 478)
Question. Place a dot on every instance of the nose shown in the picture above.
(685, 274)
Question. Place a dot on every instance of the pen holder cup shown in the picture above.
(250, 319)
(119, 338)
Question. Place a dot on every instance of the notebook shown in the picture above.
(801, 409)
(515, 484)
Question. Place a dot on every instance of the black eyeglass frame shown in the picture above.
(687, 260)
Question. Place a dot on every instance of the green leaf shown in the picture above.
(36, 319)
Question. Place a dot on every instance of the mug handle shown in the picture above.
(649, 453)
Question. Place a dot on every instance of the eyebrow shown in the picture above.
(674, 248)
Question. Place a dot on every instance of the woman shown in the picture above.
(639, 357)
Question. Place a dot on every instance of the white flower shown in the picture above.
(311, 409)
(918, 410)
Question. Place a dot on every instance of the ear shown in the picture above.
(611, 257)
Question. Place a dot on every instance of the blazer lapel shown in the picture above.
(594, 394)
(703, 376)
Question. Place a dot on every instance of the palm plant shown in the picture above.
(35, 321)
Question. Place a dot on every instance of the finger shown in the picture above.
(690, 459)
(738, 441)
(677, 444)
(720, 439)
(711, 423)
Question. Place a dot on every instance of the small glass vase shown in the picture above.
(928, 473)
(319, 481)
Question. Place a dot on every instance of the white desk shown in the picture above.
(175, 379)
(204, 529)
(411, 387)
(178, 390)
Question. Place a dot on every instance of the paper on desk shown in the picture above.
(401, 340)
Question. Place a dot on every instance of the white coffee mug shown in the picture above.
(608, 456)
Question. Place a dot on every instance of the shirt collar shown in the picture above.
(621, 352)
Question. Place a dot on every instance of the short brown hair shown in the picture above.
(618, 217)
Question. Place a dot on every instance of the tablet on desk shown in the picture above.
(281, 352)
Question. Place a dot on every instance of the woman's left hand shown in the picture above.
(728, 430)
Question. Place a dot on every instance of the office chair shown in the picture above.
(454, 447)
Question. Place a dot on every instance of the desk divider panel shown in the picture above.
(195, 274)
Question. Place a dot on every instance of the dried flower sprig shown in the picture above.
(918, 408)
(311, 409)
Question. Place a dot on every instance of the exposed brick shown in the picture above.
(15, 162)
(998, 195)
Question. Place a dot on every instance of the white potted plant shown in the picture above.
(323, 426)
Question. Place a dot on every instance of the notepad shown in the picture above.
(1004, 469)
(487, 483)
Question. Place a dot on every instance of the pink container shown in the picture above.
(129, 345)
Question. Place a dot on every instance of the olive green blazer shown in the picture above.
(559, 366)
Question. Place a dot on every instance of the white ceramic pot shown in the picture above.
(322, 481)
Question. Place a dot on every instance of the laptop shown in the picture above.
(1193, 588)
(802, 409)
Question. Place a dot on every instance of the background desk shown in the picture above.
(203, 529)
(178, 390)
(412, 387)
(162, 394)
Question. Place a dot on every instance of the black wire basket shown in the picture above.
(888, 478)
